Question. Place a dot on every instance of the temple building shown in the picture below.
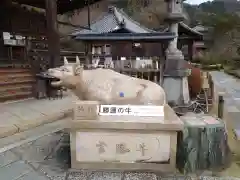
(117, 21)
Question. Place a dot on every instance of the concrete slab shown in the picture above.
(8, 130)
(14, 170)
(37, 151)
(8, 117)
(7, 124)
(33, 175)
(22, 138)
(53, 107)
(23, 115)
(26, 124)
(7, 158)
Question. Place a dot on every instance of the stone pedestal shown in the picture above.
(125, 142)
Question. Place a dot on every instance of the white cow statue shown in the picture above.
(106, 85)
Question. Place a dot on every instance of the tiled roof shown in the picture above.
(187, 28)
(149, 37)
(113, 20)
(200, 28)
(190, 29)
(106, 23)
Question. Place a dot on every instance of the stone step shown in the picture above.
(12, 66)
(16, 87)
(30, 135)
(15, 83)
(13, 79)
(12, 75)
(13, 70)
(15, 96)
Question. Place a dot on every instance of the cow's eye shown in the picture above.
(66, 70)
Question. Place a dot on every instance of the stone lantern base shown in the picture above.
(175, 81)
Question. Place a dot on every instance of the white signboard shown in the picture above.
(6, 35)
(10, 42)
(131, 110)
(119, 147)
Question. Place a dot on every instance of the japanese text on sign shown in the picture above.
(121, 148)
(131, 110)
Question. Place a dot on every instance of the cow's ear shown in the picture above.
(78, 70)
(65, 61)
(77, 60)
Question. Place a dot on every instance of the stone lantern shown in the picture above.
(175, 81)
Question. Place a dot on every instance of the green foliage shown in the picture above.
(221, 23)
(232, 72)
(215, 7)
(210, 59)
(206, 13)
(224, 20)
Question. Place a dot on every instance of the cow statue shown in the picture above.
(106, 85)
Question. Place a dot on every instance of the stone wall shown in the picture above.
(80, 17)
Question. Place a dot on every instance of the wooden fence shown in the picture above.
(152, 70)
(147, 68)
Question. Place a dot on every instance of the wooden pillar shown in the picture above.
(190, 51)
(89, 15)
(180, 44)
(5, 15)
(52, 33)
(88, 53)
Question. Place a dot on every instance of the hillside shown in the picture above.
(223, 17)
(199, 12)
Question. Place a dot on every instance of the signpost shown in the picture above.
(131, 110)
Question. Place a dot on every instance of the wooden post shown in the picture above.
(89, 54)
(220, 106)
(52, 33)
(190, 51)
(5, 16)
(155, 77)
(10, 54)
(161, 73)
(89, 14)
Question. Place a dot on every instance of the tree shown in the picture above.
(151, 15)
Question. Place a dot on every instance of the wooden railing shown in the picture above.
(150, 69)
(39, 59)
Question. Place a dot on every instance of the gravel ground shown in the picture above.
(48, 159)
